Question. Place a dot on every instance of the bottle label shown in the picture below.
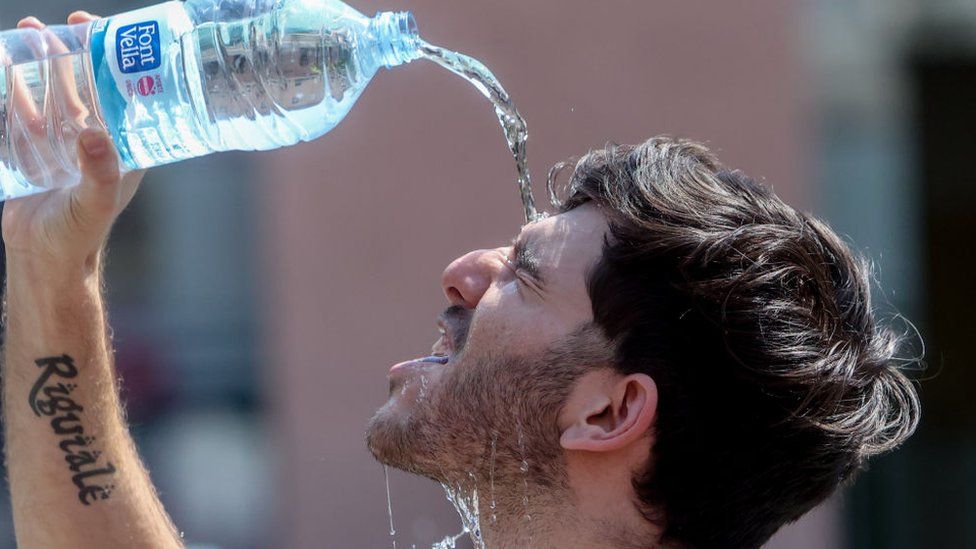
(137, 47)
(137, 61)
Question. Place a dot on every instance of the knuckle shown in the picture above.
(76, 212)
(103, 177)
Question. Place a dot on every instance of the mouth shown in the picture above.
(440, 353)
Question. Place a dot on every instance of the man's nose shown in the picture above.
(468, 277)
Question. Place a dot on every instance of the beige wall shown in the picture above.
(358, 225)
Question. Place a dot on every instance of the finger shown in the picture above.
(24, 106)
(26, 127)
(77, 22)
(30, 22)
(80, 16)
(100, 191)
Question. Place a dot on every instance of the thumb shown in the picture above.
(100, 190)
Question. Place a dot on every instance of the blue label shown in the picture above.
(137, 47)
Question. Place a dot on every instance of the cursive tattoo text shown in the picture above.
(50, 397)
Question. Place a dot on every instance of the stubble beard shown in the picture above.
(476, 410)
(490, 423)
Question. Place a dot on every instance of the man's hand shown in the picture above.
(64, 229)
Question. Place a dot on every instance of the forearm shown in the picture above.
(75, 477)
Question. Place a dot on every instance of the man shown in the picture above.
(677, 358)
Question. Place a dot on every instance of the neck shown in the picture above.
(534, 517)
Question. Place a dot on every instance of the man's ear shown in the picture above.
(607, 411)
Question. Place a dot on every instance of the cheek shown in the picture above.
(505, 322)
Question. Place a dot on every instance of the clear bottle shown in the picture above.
(180, 80)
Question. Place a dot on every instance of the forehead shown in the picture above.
(566, 246)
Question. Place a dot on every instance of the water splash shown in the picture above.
(516, 132)
(389, 504)
(465, 502)
(449, 542)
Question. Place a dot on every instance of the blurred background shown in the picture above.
(258, 300)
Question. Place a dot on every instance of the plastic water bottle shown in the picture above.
(180, 80)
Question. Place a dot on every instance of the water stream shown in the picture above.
(516, 132)
(465, 499)
(389, 504)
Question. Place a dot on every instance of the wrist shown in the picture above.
(37, 271)
(47, 304)
(44, 284)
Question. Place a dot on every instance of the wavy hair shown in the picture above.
(776, 383)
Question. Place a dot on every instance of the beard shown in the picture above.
(488, 415)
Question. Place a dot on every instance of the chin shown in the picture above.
(394, 439)
(380, 435)
(414, 431)
(393, 431)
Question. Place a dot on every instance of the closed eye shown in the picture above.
(524, 261)
(526, 267)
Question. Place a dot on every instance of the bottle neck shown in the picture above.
(397, 38)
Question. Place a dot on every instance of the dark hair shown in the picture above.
(775, 382)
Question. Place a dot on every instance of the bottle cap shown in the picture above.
(397, 37)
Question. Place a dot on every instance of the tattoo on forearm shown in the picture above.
(50, 397)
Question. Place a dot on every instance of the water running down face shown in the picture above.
(515, 339)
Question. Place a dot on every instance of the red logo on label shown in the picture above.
(146, 85)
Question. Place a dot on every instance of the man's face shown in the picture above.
(517, 335)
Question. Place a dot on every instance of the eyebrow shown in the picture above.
(524, 248)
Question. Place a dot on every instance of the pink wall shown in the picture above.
(359, 224)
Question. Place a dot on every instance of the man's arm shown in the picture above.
(76, 479)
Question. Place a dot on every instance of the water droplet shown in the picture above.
(494, 440)
(389, 504)
(424, 384)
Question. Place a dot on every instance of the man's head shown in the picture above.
(677, 336)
